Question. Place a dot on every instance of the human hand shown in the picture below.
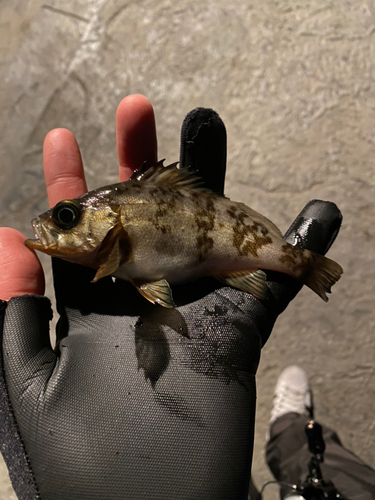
(137, 401)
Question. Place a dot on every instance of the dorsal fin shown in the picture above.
(138, 174)
(171, 176)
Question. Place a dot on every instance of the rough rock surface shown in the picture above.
(294, 83)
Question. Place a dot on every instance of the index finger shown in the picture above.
(63, 168)
(135, 135)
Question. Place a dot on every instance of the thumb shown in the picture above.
(20, 270)
(26, 358)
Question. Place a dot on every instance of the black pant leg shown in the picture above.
(287, 455)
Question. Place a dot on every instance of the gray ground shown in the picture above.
(293, 81)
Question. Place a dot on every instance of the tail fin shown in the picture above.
(324, 273)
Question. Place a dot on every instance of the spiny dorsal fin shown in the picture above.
(171, 176)
(138, 174)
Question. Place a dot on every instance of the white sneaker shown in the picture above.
(292, 394)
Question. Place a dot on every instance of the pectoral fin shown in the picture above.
(117, 247)
(110, 265)
(253, 282)
(157, 292)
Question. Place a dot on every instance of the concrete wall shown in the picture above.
(293, 81)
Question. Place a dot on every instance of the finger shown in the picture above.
(63, 168)
(316, 227)
(135, 135)
(20, 269)
(204, 146)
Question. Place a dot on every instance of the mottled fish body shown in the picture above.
(162, 226)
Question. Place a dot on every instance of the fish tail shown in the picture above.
(321, 275)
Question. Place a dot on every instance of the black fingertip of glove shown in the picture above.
(316, 227)
(204, 146)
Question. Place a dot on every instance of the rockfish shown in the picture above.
(163, 226)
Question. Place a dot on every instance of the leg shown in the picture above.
(287, 452)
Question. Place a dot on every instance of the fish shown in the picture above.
(164, 227)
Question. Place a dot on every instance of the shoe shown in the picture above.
(292, 394)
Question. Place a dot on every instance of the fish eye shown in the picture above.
(66, 214)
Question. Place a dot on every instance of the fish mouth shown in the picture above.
(45, 241)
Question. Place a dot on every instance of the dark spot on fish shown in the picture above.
(163, 228)
(204, 217)
(232, 211)
(161, 210)
(204, 245)
(297, 260)
(247, 238)
(163, 248)
(165, 202)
